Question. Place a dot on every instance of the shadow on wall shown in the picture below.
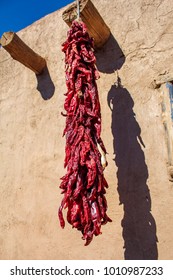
(139, 228)
(110, 58)
(45, 85)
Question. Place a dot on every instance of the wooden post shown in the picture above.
(97, 28)
(22, 53)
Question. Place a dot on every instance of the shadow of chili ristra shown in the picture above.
(139, 227)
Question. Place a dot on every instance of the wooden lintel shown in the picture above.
(11, 42)
(97, 28)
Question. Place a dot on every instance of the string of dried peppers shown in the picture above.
(84, 184)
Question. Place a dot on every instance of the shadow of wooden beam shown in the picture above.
(45, 84)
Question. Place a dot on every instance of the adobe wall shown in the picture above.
(140, 196)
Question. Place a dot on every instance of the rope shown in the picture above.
(78, 9)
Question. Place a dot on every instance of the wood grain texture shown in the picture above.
(22, 53)
(97, 28)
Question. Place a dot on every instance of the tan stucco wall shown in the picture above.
(32, 147)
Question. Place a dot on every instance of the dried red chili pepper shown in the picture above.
(84, 184)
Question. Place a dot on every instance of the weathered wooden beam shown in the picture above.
(11, 42)
(97, 28)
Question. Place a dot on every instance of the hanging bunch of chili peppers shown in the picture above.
(84, 185)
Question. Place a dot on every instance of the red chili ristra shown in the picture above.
(84, 185)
